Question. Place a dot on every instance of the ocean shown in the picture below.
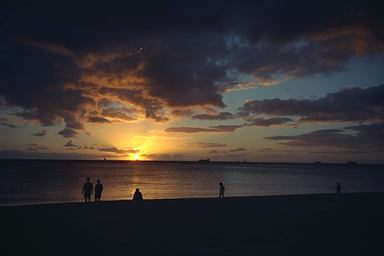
(52, 181)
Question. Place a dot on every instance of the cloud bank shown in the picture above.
(60, 68)
(366, 137)
(352, 104)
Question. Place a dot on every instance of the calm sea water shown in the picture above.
(32, 181)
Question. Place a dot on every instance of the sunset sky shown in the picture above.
(274, 81)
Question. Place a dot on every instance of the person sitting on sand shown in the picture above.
(98, 190)
(338, 188)
(87, 190)
(137, 196)
(222, 189)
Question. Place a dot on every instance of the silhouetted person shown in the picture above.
(87, 190)
(98, 190)
(338, 188)
(137, 196)
(222, 189)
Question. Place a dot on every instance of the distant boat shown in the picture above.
(204, 161)
(351, 163)
(318, 162)
(105, 159)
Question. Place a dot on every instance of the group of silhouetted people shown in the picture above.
(138, 196)
(88, 190)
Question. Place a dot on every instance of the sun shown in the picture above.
(136, 156)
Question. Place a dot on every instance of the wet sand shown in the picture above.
(326, 224)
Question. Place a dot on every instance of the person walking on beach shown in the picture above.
(338, 187)
(87, 190)
(222, 189)
(98, 190)
(137, 196)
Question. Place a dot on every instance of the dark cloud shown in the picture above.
(226, 128)
(360, 137)
(268, 121)
(36, 81)
(35, 147)
(352, 104)
(345, 151)
(44, 154)
(45, 120)
(67, 133)
(218, 128)
(189, 129)
(88, 147)
(98, 119)
(230, 128)
(228, 152)
(322, 52)
(208, 145)
(237, 150)
(69, 144)
(265, 149)
(218, 116)
(182, 112)
(117, 150)
(161, 56)
(367, 128)
(40, 133)
(9, 125)
(182, 76)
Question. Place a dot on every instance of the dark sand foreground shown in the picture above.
(347, 224)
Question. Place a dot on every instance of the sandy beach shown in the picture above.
(324, 224)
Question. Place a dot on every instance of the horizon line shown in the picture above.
(351, 163)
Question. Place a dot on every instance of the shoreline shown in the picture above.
(74, 203)
(310, 224)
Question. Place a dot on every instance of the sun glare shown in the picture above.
(136, 156)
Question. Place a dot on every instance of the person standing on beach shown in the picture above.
(338, 187)
(98, 190)
(222, 189)
(137, 196)
(87, 190)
